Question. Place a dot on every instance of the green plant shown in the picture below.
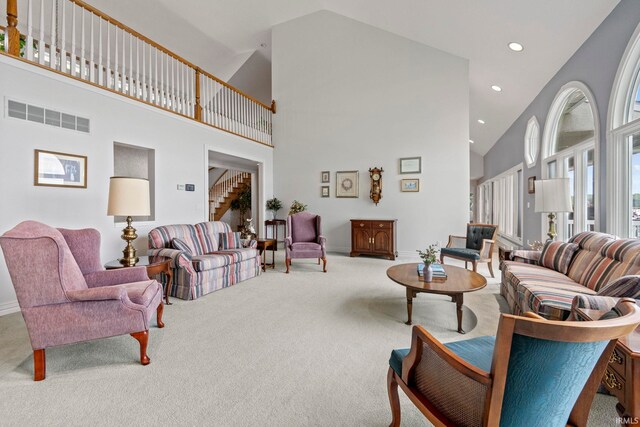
(274, 205)
(429, 255)
(242, 203)
(296, 207)
(23, 43)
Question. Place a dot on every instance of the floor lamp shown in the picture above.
(553, 196)
(128, 197)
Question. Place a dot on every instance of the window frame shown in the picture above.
(532, 142)
(508, 207)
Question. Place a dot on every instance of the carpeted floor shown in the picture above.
(280, 350)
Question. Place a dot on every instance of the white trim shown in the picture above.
(511, 173)
(9, 307)
(532, 142)
(618, 112)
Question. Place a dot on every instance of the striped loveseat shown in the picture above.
(204, 267)
(596, 264)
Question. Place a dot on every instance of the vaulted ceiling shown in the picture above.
(221, 35)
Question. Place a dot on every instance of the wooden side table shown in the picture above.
(155, 265)
(263, 245)
(274, 224)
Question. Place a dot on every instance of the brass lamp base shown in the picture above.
(129, 258)
(552, 227)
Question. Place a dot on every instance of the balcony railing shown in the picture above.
(79, 41)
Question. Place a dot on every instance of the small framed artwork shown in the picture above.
(347, 184)
(325, 191)
(410, 185)
(60, 169)
(532, 184)
(411, 165)
(326, 176)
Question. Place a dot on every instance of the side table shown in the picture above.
(274, 224)
(263, 245)
(155, 265)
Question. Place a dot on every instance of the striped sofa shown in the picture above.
(207, 268)
(594, 269)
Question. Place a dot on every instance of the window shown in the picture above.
(623, 146)
(136, 162)
(570, 151)
(501, 203)
(532, 142)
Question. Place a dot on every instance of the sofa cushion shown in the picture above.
(222, 258)
(477, 233)
(549, 301)
(615, 259)
(513, 273)
(208, 233)
(623, 287)
(181, 245)
(230, 240)
(305, 246)
(591, 244)
(558, 255)
(161, 237)
(466, 253)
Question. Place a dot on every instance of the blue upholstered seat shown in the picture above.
(477, 351)
(470, 254)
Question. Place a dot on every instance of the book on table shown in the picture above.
(437, 269)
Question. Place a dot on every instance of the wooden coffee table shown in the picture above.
(458, 282)
(155, 265)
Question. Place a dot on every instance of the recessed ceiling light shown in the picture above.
(481, 121)
(516, 47)
(471, 141)
(496, 88)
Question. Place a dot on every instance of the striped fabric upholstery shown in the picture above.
(203, 274)
(591, 244)
(551, 302)
(593, 302)
(230, 240)
(623, 287)
(180, 245)
(616, 259)
(558, 255)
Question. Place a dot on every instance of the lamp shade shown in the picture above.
(553, 195)
(128, 197)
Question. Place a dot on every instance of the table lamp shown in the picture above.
(553, 196)
(128, 197)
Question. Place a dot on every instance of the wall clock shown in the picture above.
(376, 184)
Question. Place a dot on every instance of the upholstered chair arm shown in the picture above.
(98, 294)
(250, 244)
(486, 251)
(457, 242)
(430, 365)
(288, 242)
(116, 277)
(591, 302)
(526, 256)
(322, 241)
(179, 259)
(622, 287)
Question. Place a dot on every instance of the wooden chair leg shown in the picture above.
(394, 400)
(490, 264)
(143, 339)
(318, 261)
(287, 262)
(324, 264)
(475, 266)
(159, 312)
(39, 365)
(441, 258)
(466, 265)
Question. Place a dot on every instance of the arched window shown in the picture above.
(570, 151)
(623, 145)
(532, 142)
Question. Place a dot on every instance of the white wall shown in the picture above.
(351, 97)
(477, 165)
(181, 156)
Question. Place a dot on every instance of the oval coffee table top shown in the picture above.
(458, 279)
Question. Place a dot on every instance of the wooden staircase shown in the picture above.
(225, 191)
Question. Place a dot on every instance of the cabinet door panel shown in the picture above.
(381, 241)
(361, 240)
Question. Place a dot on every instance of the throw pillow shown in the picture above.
(623, 287)
(230, 240)
(558, 255)
(181, 246)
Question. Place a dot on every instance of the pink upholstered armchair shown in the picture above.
(65, 295)
(305, 239)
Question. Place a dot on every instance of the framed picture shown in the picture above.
(60, 169)
(410, 185)
(325, 191)
(347, 184)
(411, 165)
(532, 184)
(326, 176)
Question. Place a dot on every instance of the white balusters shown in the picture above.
(73, 39)
(83, 70)
(63, 38)
(92, 64)
(29, 31)
(41, 46)
(53, 52)
(100, 69)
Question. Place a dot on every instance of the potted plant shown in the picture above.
(428, 256)
(242, 204)
(296, 207)
(274, 205)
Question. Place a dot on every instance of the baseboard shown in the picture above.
(347, 250)
(9, 307)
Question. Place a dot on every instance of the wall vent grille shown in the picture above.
(33, 113)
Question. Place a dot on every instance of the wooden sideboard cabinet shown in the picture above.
(374, 237)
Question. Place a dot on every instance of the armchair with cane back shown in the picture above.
(534, 372)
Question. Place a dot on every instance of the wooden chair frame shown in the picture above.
(530, 325)
(486, 251)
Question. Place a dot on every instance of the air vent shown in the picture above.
(33, 113)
